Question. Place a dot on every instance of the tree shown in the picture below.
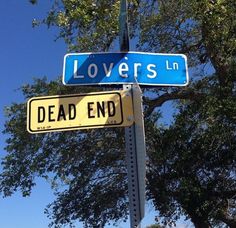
(89, 166)
(154, 226)
(192, 163)
(190, 168)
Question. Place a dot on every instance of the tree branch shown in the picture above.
(227, 219)
(180, 94)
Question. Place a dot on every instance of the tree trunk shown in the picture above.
(200, 222)
(230, 222)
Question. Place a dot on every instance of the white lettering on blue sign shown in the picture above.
(153, 71)
(76, 75)
(125, 68)
(108, 70)
(173, 66)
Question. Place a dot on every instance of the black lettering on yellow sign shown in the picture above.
(41, 114)
(50, 112)
(98, 109)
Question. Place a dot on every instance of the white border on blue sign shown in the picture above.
(122, 83)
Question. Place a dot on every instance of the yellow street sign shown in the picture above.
(79, 111)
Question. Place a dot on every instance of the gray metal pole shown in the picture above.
(123, 27)
(134, 137)
(135, 155)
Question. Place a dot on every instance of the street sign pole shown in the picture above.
(136, 161)
(134, 138)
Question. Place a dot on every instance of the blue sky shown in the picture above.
(25, 53)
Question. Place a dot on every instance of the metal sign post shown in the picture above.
(134, 138)
(136, 161)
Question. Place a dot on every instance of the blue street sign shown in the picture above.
(125, 68)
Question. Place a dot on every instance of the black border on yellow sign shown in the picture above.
(75, 127)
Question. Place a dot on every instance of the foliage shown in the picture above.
(192, 167)
(86, 25)
(191, 164)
